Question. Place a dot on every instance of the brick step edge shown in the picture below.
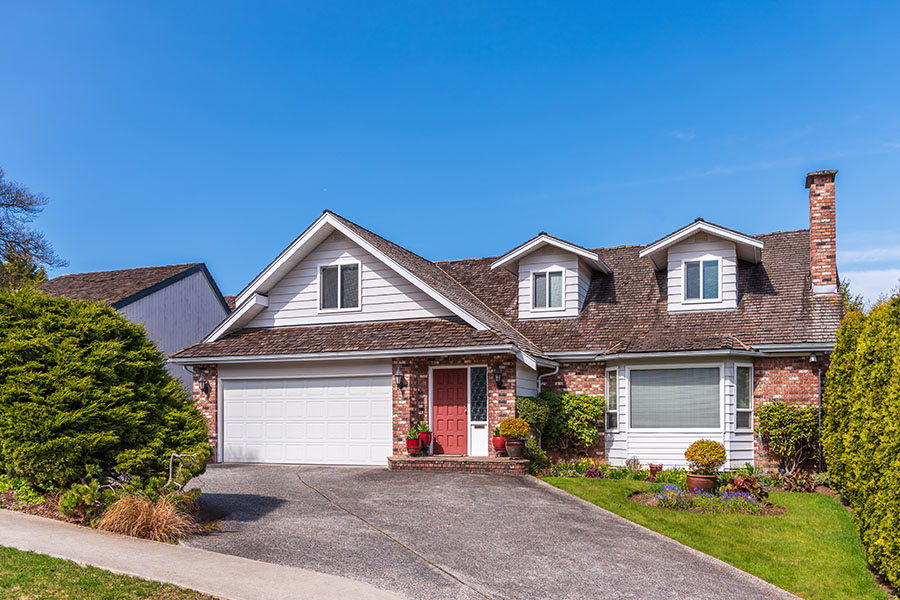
(507, 467)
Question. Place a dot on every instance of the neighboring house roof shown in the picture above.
(624, 312)
(124, 286)
(229, 300)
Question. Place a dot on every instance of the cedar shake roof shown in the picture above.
(625, 312)
(122, 287)
(396, 335)
(628, 310)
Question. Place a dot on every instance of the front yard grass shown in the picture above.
(26, 575)
(812, 550)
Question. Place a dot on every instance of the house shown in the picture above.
(346, 340)
(177, 304)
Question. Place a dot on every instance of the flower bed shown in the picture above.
(673, 497)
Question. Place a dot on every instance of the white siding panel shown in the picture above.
(584, 282)
(694, 248)
(177, 316)
(526, 380)
(385, 295)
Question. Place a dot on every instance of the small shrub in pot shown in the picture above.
(704, 458)
(515, 431)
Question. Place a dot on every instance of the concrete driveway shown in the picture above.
(435, 536)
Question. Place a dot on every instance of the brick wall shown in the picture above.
(583, 378)
(207, 402)
(411, 405)
(793, 380)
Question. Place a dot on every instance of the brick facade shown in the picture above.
(410, 406)
(583, 378)
(822, 235)
(207, 402)
(793, 380)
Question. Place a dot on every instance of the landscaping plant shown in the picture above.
(514, 429)
(799, 482)
(83, 388)
(568, 422)
(747, 484)
(161, 520)
(861, 429)
(790, 432)
(535, 412)
(705, 457)
(537, 456)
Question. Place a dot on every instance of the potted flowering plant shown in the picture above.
(413, 443)
(515, 431)
(654, 469)
(498, 441)
(704, 458)
(424, 434)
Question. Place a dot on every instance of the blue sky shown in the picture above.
(216, 132)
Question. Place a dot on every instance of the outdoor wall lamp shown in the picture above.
(400, 379)
(203, 384)
(498, 378)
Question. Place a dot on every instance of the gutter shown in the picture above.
(759, 350)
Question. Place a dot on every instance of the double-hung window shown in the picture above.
(612, 401)
(548, 289)
(701, 280)
(744, 398)
(339, 287)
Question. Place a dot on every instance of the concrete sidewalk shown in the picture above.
(228, 577)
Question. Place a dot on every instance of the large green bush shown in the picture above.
(84, 392)
(790, 432)
(535, 412)
(861, 429)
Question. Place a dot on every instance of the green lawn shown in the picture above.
(812, 550)
(27, 576)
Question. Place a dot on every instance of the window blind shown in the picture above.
(675, 398)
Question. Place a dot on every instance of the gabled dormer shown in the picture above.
(702, 264)
(554, 276)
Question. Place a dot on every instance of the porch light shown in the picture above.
(498, 378)
(203, 384)
(400, 379)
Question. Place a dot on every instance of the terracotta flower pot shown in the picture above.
(499, 443)
(515, 448)
(425, 438)
(654, 469)
(414, 446)
(704, 483)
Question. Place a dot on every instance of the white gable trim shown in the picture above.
(241, 316)
(660, 260)
(278, 268)
(545, 240)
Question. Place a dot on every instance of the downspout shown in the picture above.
(553, 372)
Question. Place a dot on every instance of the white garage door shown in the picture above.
(329, 420)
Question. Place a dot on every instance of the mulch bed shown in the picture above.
(649, 499)
(48, 509)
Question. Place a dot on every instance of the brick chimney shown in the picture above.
(822, 238)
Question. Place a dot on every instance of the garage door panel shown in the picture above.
(319, 420)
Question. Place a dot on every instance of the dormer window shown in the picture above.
(339, 287)
(701, 280)
(548, 290)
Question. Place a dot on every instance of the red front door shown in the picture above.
(451, 421)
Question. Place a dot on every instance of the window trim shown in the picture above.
(653, 367)
(615, 373)
(684, 282)
(547, 271)
(746, 410)
(339, 264)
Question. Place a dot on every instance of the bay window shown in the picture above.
(744, 398)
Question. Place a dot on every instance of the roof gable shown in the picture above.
(748, 248)
(542, 240)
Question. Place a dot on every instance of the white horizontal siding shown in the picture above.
(667, 446)
(526, 380)
(584, 282)
(385, 295)
(549, 258)
(698, 247)
(177, 316)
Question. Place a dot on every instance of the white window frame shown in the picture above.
(746, 410)
(722, 407)
(339, 264)
(547, 272)
(615, 374)
(684, 281)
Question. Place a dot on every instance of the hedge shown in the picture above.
(861, 429)
(84, 394)
(569, 422)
